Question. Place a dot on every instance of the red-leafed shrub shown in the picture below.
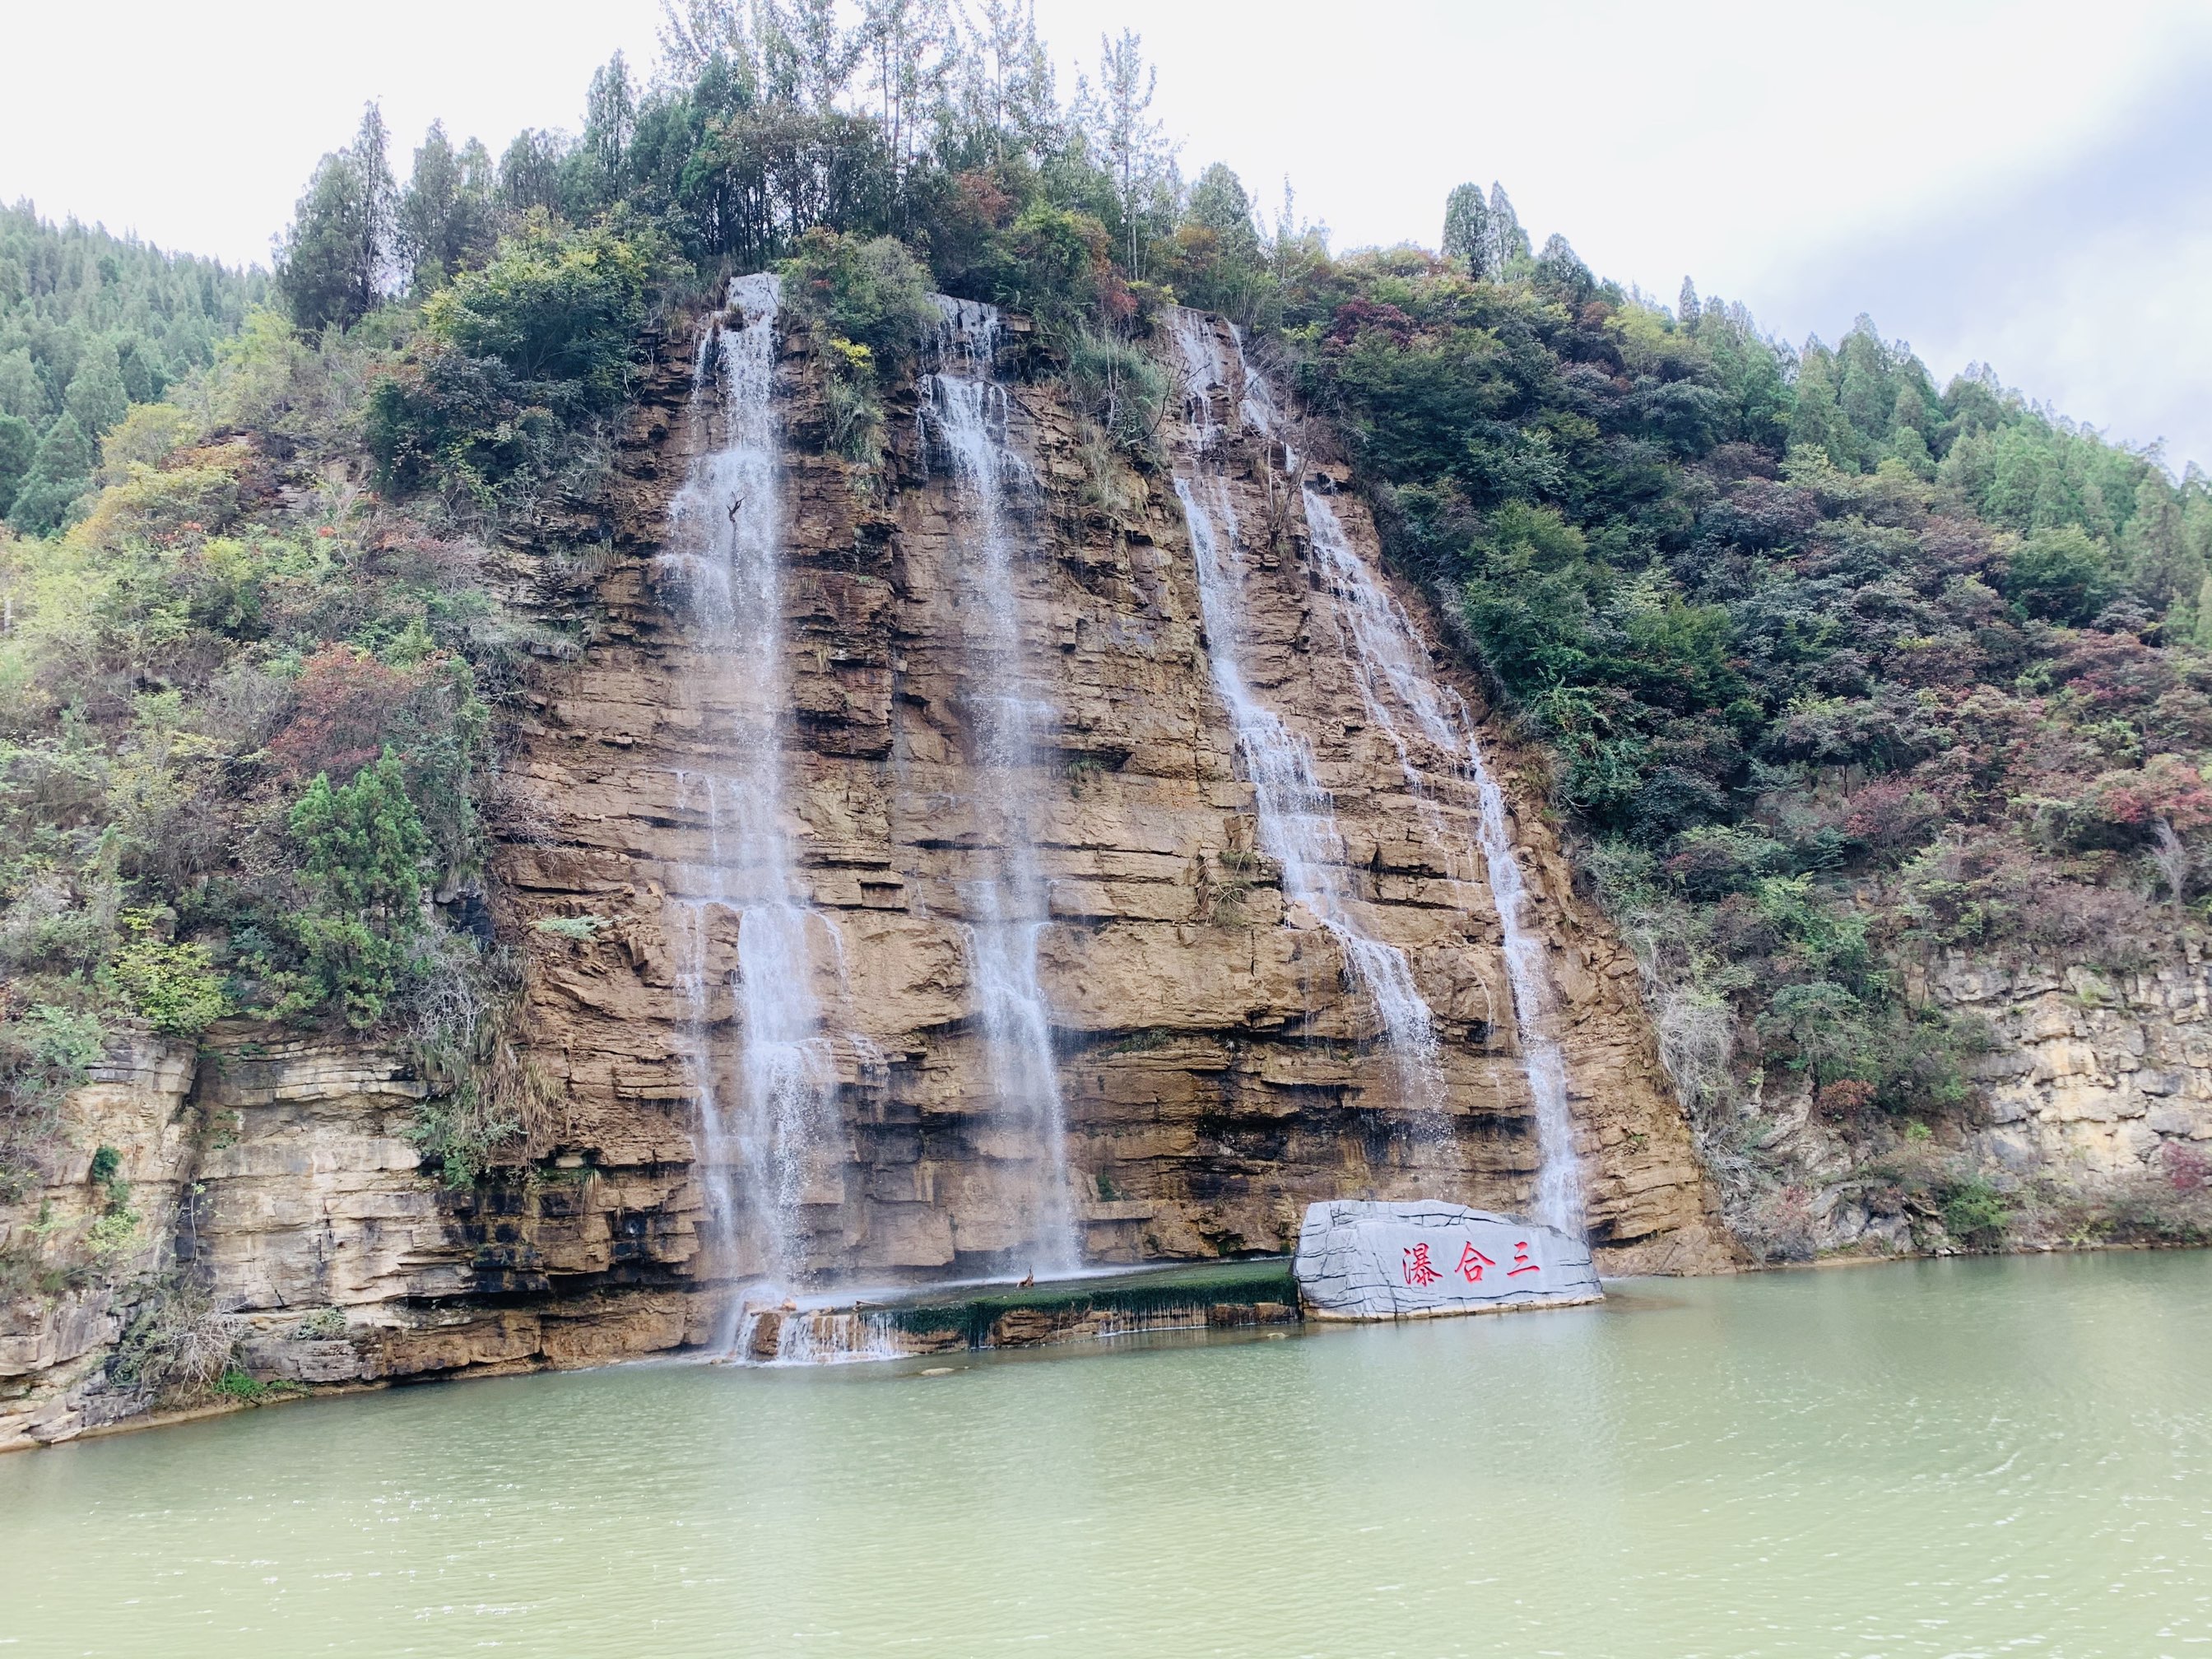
(1355, 317)
(342, 711)
(1846, 1097)
(1891, 815)
(2188, 1168)
(2167, 788)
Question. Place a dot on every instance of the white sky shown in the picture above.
(2016, 181)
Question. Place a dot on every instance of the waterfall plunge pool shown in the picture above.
(1959, 1457)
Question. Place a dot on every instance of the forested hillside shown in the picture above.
(90, 324)
(1837, 669)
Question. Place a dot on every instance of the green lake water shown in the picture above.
(1987, 1457)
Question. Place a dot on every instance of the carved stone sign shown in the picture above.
(1362, 1260)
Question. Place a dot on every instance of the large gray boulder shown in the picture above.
(1364, 1259)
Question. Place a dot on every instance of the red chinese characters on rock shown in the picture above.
(1419, 1269)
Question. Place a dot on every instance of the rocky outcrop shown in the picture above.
(2101, 1076)
(2090, 1117)
(268, 1189)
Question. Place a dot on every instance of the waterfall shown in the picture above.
(766, 1120)
(966, 410)
(836, 1336)
(1390, 660)
(1296, 817)
(1388, 648)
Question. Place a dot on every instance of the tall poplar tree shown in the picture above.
(1467, 229)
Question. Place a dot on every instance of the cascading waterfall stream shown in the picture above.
(1296, 817)
(965, 411)
(766, 1124)
(1391, 663)
(1389, 649)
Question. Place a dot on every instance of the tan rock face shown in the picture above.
(2097, 1077)
(277, 1174)
(2092, 1103)
(1219, 1070)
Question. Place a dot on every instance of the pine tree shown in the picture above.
(610, 121)
(1866, 390)
(364, 848)
(18, 442)
(60, 472)
(95, 395)
(2154, 548)
(530, 172)
(1218, 202)
(1561, 267)
(1816, 422)
(22, 391)
(1508, 242)
(1687, 310)
(445, 216)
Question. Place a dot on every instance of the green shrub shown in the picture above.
(175, 1343)
(362, 848)
(556, 309)
(1053, 263)
(584, 929)
(1975, 1212)
(515, 360)
(114, 1237)
(60, 473)
(463, 1010)
(866, 304)
(235, 1384)
(1123, 389)
(174, 987)
(2062, 576)
(45, 1051)
(1821, 1030)
(866, 292)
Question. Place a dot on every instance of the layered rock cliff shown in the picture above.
(1219, 1070)
(2093, 1118)
(1220, 1062)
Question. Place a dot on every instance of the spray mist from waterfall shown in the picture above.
(964, 421)
(767, 1120)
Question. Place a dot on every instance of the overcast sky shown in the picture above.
(2023, 183)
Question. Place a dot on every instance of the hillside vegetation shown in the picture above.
(90, 324)
(1836, 668)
